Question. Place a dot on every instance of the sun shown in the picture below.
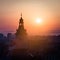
(38, 21)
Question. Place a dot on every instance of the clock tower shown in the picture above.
(21, 31)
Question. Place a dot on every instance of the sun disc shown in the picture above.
(38, 20)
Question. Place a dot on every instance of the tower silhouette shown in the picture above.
(21, 31)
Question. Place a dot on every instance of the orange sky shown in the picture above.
(47, 10)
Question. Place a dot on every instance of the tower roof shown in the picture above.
(21, 31)
(21, 20)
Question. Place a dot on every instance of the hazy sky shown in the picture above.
(47, 10)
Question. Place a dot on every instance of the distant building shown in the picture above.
(20, 41)
(3, 38)
(10, 36)
(1, 35)
(21, 31)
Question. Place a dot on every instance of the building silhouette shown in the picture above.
(21, 31)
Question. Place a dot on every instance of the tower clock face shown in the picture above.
(20, 24)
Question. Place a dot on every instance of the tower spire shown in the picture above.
(21, 14)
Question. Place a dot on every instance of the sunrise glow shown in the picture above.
(38, 21)
(38, 16)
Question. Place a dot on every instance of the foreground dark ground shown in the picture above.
(41, 48)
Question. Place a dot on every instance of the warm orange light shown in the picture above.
(38, 20)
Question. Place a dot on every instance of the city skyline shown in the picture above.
(48, 11)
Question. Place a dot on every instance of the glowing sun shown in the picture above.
(38, 20)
